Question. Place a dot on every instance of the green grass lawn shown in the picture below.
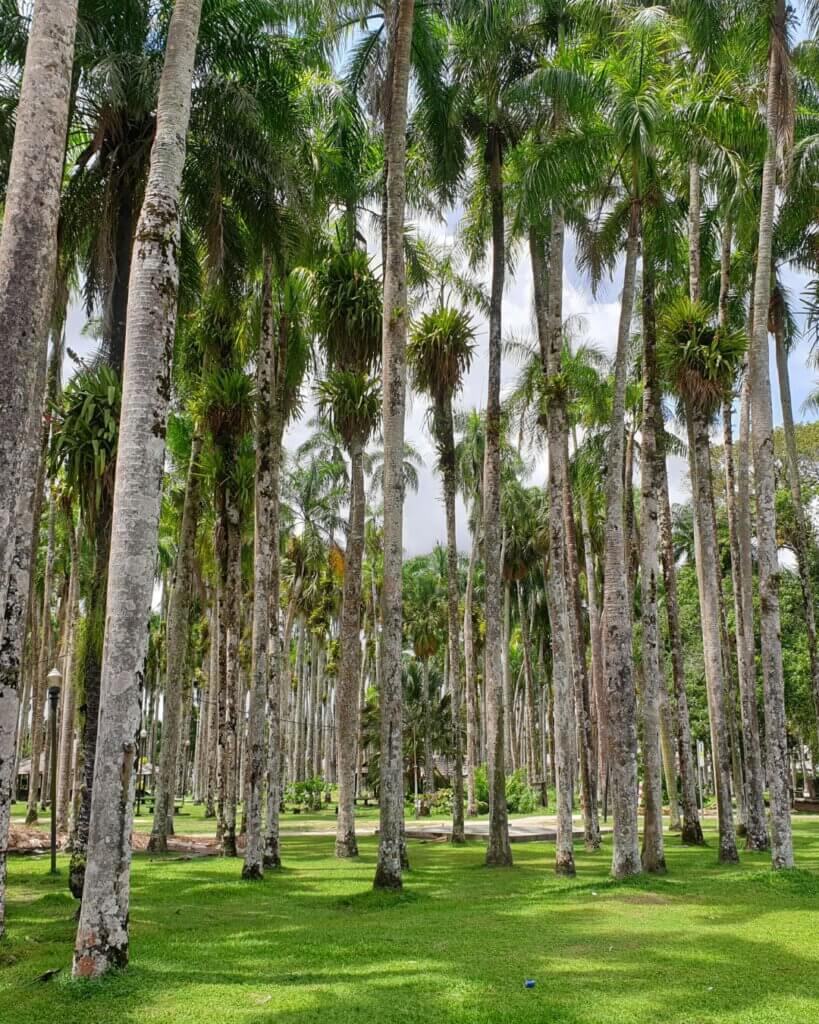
(313, 943)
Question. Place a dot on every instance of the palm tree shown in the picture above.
(350, 401)
(440, 352)
(762, 437)
(399, 18)
(102, 933)
(701, 362)
(28, 253)
(492, 53)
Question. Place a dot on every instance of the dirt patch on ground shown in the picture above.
(27, 839)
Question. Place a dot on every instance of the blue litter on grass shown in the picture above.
(528, 983)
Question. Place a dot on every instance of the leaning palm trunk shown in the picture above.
(447, 462)
(498, 851)
(11, 648)
(621, 698)
(764, 482)
(803, 532)
(347, 682)
(399, 19)
(708, 580)
(102, 935)
(653, 673)
(177, 631)
(28, 256)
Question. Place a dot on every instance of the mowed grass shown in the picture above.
(314, 943)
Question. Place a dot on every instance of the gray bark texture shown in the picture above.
(102, 934)
(764, 481)
(399, 20)
(499, 852)
(347, 682)
(28, 254)
(621, 699)
(653, 854)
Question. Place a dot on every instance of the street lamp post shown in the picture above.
(143, 735)
(54, 679)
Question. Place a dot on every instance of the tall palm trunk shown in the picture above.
(69, 688)
(472, 725)
(617, 650)
(28, 257)
(549, 310)
(446, 436)
(178, 631)
(587, 752)
(691, 828)
(391, 854)
(38, 700)
(803, 534)
(347, 682)
(253, 866)
(498, 851)
(764, 482)
(102, 934)
(653, 673)
(708, 579)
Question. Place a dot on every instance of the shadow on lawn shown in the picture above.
(312, 942)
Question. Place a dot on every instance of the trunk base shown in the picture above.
(31, 817)
(564, 866)
(728, 853)
(458, 838)
(626, 868)
(93, 960)
(691, 834)
(498, 858)
(158, 843)
(76, 875)
(229, 843)
(252, 873)
(592, 840)
(654, 865)
(272, 858)
(757, 842)
(386, 879)
(346, 846)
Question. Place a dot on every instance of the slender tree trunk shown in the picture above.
(617, 647)
(586, 747)
(391, 847)
(472, 726)
(447, 463)
(499, 852)
(707, 559)
(764, 482)
(691, 828)
(803, 534)
(549, 310)
(178, 632)
(669, 762)
(347, 683)
(69, 691)
(102, 935)
(28, 257)
(39, 687)
(653, 673)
